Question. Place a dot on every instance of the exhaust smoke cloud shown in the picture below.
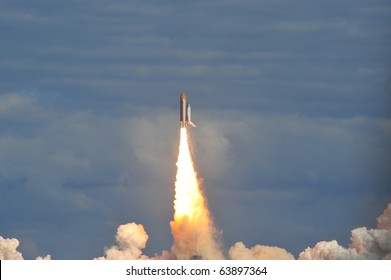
(258, 252)
(131, 239)
(367, 244)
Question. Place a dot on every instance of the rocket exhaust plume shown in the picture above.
(192, 228)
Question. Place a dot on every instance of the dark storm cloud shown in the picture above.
(291, 101)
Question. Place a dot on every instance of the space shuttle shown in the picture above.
(185, 112)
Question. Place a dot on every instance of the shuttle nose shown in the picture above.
(183, 95)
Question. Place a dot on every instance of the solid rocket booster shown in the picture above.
(185, 112)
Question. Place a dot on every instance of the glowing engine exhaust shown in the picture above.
(194, 233)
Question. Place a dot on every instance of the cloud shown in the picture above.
(46, 258)
(14, 102)
(131, 239)
(384, 220)
(8, 250)
(349, 28)
(258, 252)
(349, 148)
(25, 17)
(367, 244)
(125, 45)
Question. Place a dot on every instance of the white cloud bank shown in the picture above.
(367, 244)
(8, 250)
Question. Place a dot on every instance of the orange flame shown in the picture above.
(192, 227)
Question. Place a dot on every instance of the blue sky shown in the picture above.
(291, 100)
